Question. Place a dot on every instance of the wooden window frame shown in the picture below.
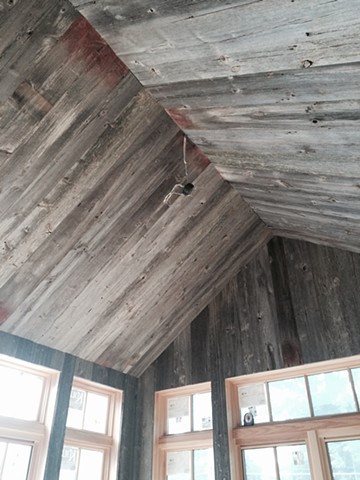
(314, 431)
(35, 433)
(164, 442)
(109, 442)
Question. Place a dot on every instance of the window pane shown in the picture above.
(345, 459)
(69, 463)
(15, 461)
(202, 411)
(252, 398)
(90, 465)
(81, 464)
(259, 464)
(15, 385)
(293, 462)
(88, 411)
(331, 393)
(356, 376)
(96, 413)
(178, 465)
(288, 399)
(75, 418)
(204, 464)
(179, 415)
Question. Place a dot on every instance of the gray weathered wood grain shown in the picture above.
(164, 42)
(89, 158)
(28, 30)
(294, 303)
(260, 87)
(288, 141)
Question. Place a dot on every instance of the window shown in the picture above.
(27, 403)
(92, 434)
(300, 423)
(183, 447)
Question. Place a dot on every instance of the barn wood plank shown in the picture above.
(28, 30)
(132, 302)
(163, 44)
(33, 228)
(122, 217)
(323, 282)
(82, 121)
(75, 229)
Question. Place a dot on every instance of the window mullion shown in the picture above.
(3, 461)
(353, 390)
(309, 395)
(85, 406)
(78, 465)
(268, 401)
(192, 464)
(317, 466)
(191, 413)
(276, 464)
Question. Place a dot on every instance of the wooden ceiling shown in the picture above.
(93, 260)
(268, 89)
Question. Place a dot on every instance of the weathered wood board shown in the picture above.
(294, 303)
(166, 41)
(288, 141)
(269, 91)
(94, 261)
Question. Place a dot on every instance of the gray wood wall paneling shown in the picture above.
(164, 42)
(325, 285)
(57, 435)
(288, 141)
(288, 335)
(232, 76)
(128, 455)
(68, 196)
(71, 366)
(28, 31)
(295, 303)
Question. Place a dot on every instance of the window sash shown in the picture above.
(163, 442)
(314, 431)
(107, 442)
(36, 433)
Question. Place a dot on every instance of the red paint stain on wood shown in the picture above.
(4, 313)
(83, 44)
(196, 160)
(181, 118)
(201, 158)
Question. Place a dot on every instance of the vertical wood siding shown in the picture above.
(295, 303)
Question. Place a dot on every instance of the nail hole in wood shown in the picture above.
(307, 63)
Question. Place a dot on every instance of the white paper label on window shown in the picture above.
(252, 395)
(298, 458)
(178, 407)
(206, 423)
(77, 399)
(69, 458)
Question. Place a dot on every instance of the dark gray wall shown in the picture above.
(295, 303)
(71, 366)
